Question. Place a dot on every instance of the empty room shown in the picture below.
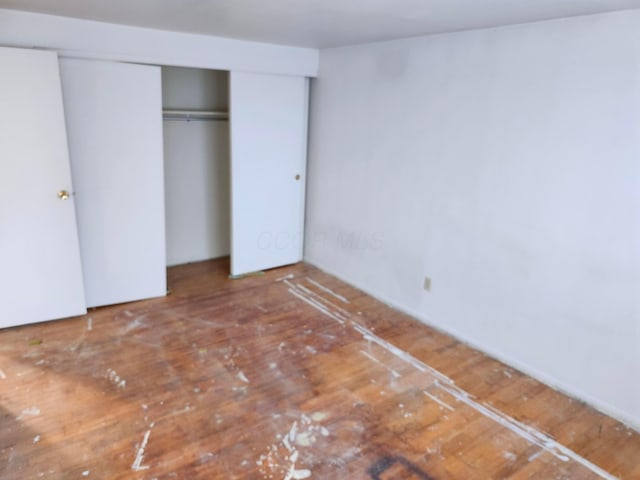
(321, 239)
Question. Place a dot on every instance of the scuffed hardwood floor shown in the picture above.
(282, 378)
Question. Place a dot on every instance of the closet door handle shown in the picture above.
(63, 195)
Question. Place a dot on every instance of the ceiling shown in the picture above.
(318, 23)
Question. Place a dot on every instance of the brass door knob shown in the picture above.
(63, 195)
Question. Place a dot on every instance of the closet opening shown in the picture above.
(195, 105)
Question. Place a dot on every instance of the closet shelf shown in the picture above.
(189, 115)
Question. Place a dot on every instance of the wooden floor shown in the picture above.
(288, 375)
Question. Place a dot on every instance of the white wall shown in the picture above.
(88, 39)
(505, 165)
(196, 167)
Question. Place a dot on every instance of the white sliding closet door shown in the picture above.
(40, 262)
(114, 118)
(268, 160)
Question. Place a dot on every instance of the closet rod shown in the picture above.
(188, 115)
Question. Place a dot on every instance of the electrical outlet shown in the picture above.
(427, 284)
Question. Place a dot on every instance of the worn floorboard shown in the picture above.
(288, 375)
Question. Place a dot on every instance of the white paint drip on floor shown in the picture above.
(319, 416)
(535, 455)
(89, 324)
(36, 439)
(399, 353)
(281, 457)
(292, 433)
(374, 359)
(74, 346)
(242, 376)
(293, 473)
(438, 401)
(2, 375)
(337, 310)
(446, 384)
(327, 290)
(530, 434)
(137, 463)
(316, 305)
(186, 409)
(286, 277)
(135, 324)
(318, 302)
(29, 412)
(115, 379)
(86, 473)
(512, 457)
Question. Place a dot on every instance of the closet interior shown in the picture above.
(195, 104)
